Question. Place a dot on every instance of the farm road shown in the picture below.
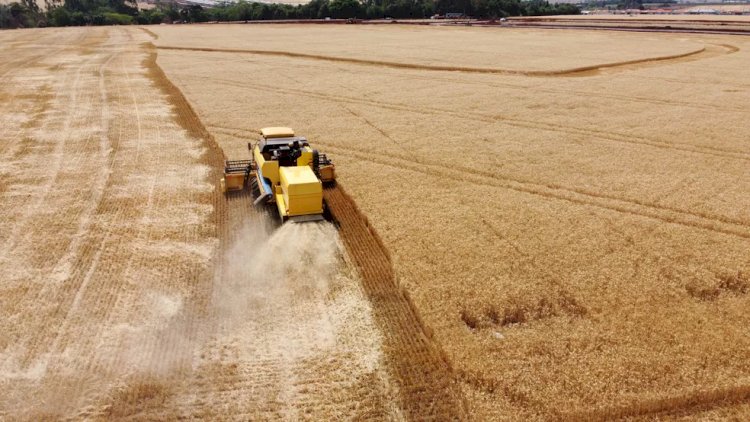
(116, 297)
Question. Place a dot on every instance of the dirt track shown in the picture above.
(133, 289)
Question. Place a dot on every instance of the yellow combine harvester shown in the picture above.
(285, 170)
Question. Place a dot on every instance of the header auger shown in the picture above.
(285, 170)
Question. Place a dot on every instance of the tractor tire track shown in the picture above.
(591, 134)
(579, 93)
(716, 224)
(697, 54)
(542, 88)
(734, 225)
(45, 341)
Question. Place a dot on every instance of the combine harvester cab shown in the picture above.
(284, 170)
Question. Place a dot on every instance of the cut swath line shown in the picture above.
(419, 396)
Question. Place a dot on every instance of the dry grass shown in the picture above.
(137, 399)
(578, 245)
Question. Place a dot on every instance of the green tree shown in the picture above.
(342, 9)
(630, 4)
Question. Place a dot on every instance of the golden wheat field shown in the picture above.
(529, 224)
(577, 242)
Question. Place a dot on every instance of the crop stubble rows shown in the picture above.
(107, 230)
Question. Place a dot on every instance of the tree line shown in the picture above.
(27, 13)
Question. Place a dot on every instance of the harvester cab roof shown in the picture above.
(277, 132)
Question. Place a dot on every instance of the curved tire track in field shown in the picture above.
(697, 54)
(623, 205)
(593, 134)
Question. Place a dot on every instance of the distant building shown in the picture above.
(704, 12)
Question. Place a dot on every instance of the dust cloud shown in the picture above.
(293, 282)
(295, 263)
(293, 320)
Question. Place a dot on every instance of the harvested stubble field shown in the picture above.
(131, 289)
(568, 211)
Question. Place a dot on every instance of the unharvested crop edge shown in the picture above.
(690, 402)
(428, 386)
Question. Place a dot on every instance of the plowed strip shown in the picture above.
(428, 389)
